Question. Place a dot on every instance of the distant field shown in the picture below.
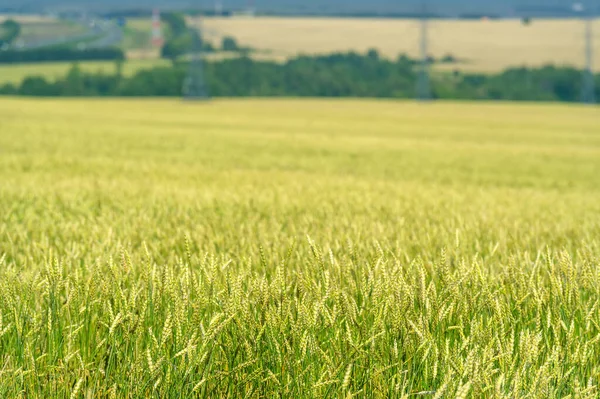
(15, 73)
(27, 18)
(44, 30)
(483, 45)
(298, 249)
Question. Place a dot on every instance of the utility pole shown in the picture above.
(194, 86)
(424, 84)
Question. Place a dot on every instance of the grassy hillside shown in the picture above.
(482, 45)
(298, 249)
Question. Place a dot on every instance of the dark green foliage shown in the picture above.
(543, 84)
(175, 22)
(181, 45)
(335, 75)
(373, 54)
(176, 47)
(229, 44)
(38, 86)
(208, 48)
(9, 89)
(64, 53)
(161, 81)
(9, 31)
(182, 39)
(448, 59)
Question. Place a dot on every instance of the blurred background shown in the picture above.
(456, 49)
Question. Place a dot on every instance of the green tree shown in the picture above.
(176, 47)
(74, 82)
(38, 86)
(229, 44)
(373, 54)
(175, 22)
(9, 31)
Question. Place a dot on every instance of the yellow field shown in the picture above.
(27, 18)
(298, 249)
(483, 45)
(15, 73)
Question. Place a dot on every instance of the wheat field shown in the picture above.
(482, 46)
(27, 18)
(314, 248)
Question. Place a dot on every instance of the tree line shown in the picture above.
(336, 75)
(61, 53)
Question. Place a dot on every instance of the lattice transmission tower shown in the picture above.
(194, 85)
(589, 85)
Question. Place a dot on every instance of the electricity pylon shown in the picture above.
(589, 85)
(194, 86)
